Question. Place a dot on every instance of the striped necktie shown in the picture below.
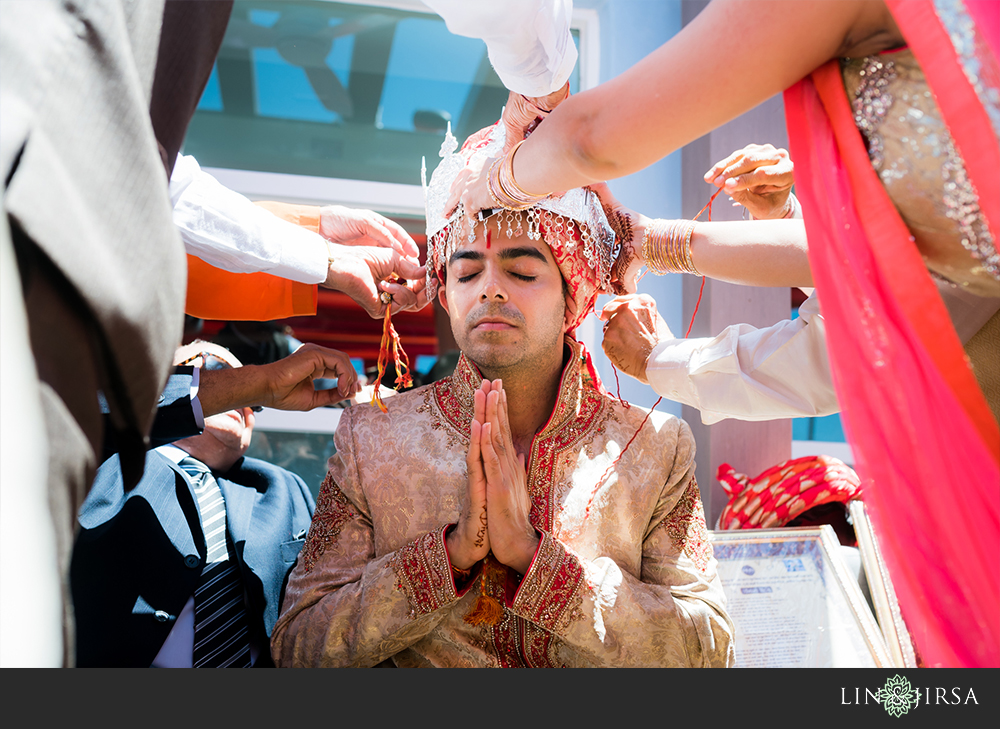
(221, 636)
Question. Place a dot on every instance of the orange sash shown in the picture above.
(220, 295)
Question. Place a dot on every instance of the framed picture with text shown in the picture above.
(794, 602)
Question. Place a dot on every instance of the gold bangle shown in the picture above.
(680, 244)
(493, 182)
(684, 248)
(673, 254)
(653, 247)
(666, 247)
(519, 191)
(504, 190)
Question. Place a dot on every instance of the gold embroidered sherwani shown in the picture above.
(623, 575)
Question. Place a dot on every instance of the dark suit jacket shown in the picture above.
(139, 553)
(174, 414)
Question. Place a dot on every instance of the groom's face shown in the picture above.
(506, 300)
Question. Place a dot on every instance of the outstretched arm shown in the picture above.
(286, 384)
(733, 56)
(365, 254)
(347, 249)
(745, 372)
(751, 253)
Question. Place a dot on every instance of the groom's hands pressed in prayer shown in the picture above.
(496, 513)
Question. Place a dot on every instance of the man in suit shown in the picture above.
(203, 518)
(95, 97)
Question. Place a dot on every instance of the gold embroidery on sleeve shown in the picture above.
(333, 510)
(686, 527)
(423, 573)
(551, 594)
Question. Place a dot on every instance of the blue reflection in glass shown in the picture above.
(265, 18)
(429, 68)
(339, 58)
(284, 92)
(211, 99)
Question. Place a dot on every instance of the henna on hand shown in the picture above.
(481, 534)
(621, 223)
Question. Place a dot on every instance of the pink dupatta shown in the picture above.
(926, 444)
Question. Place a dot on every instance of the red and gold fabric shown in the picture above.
(573, 224)
(631, 582)
(783, 492)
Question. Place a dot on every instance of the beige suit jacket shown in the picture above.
(85, 182)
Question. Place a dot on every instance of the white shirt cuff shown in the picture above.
(199, 414)
(668, 369)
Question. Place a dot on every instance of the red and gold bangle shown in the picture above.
(666, 247)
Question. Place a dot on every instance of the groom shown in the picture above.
(513, 514)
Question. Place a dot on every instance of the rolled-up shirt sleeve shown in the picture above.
(746, 373)
(228, 231)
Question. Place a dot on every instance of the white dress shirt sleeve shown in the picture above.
(227, 230)
(781, 371)
(528, 41)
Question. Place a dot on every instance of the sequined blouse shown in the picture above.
(913, 153)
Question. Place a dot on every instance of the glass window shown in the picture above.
(303, 453)
(827, 428)
(341, 90)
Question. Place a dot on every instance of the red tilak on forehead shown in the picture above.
(489, 237)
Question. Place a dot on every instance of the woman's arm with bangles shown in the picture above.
(733, 56)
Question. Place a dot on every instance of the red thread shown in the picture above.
(390, 343)
(615, 462)
(618, 387)
(708, 206)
